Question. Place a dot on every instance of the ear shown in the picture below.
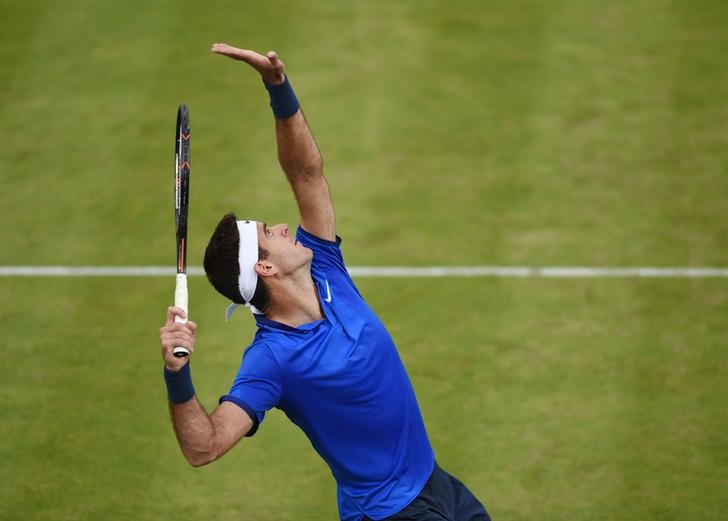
(265, 268)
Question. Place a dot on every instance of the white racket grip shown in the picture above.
(180, 301)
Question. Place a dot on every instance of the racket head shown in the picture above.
(181, 183)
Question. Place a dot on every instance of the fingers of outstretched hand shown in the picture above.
(251, 57)
(269, 66)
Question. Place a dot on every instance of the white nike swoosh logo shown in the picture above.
(328, 292)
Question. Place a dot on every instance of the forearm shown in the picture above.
(195, 431)
(202, 437)
(298, 154)
(194, 428)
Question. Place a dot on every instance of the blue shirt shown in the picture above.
(342, 382)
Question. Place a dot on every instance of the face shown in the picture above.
(285, 254)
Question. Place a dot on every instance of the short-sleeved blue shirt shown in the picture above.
(342, 382)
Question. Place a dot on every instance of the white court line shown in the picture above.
(386, 271)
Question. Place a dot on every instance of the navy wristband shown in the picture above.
(179, 384)
(283, 100)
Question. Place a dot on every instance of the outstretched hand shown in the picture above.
(269, 66)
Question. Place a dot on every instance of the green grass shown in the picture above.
(532, 132)
(590, 400)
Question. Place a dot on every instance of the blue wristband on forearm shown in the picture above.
(179, 384)
(283, 100)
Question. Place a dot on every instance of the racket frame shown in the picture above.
(181, 206)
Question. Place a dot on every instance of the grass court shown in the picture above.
(541, 133)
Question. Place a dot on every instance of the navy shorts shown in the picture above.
(443, 498)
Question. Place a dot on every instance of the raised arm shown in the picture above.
(298, 154)
(202, 437)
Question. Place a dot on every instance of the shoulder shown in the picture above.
(259, 355)
(327, 265)
(313, 241)
(326, 254)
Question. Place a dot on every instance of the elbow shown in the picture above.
(197, 463)
(199, 459)
(316, 167)
(302, 165)
(304, 175)
(313, 169)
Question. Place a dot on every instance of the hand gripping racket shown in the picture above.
(181, 203)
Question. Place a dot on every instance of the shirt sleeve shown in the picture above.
(257, 386)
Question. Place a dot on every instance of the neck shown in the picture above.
(294, 299)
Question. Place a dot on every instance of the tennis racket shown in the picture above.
(181, 204)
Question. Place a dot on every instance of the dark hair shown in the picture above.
(222, 268)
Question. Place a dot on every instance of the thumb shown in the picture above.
(272, 57)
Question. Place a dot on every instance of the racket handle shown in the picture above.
(180, 301)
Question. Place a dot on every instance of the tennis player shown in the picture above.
(320, 354)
